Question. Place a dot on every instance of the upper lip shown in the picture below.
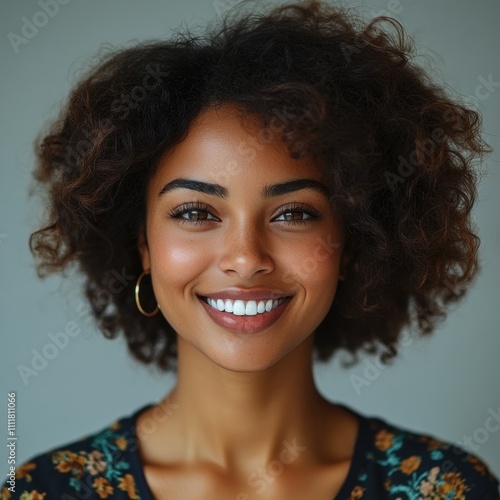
(246, 294)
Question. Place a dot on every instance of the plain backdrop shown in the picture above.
(447, 385)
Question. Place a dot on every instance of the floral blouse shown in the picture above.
(388, 463)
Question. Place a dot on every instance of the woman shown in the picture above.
(283, 187)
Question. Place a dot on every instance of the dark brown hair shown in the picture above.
(400, 155)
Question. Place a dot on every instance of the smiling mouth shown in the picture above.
(246, 316)
(244, 307)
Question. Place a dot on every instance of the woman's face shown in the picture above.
(232, 216)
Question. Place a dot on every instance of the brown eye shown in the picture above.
(195, 214)
(298, 213)
(293, 215)
(192, 213)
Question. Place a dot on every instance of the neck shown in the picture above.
(237, 420)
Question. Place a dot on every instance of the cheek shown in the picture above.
(311, 268)
(176, 261)
(312, 263)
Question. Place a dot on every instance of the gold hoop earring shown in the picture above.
(137, 300)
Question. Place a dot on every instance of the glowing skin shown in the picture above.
(239, 395)
(250, 245)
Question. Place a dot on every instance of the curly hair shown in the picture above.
(398, 151)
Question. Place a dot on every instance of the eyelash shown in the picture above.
(290, 207)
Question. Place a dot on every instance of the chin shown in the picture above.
(247, 359)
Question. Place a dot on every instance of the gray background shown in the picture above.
(446, 385)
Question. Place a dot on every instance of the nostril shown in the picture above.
(245, 262)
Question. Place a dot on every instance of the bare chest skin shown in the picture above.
(275, 483)
(318, 478)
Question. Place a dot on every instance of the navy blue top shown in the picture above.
(388, 463)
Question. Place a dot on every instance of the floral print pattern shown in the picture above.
(103, 463)
(388, 463)
(101, 467)
(418, 467)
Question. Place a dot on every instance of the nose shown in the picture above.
(246, 252)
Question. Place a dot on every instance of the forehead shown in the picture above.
(222, 144)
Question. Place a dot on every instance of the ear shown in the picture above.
(142, 244)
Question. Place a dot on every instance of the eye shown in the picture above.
(293, 215)
(298, 214)
(195, 214)
(192, 213)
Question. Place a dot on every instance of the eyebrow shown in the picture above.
(269, 191)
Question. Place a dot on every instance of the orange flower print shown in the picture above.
(356, 493)
(432, 444)
(24, 471)
(383, 440)
(69, 462)
(95, 463)
(478, 465)
(453, 483)
(121, 443)
(115, 426)
(33, 495)
(102, 487)
(127, 483)
(5, 494)
(410, 464)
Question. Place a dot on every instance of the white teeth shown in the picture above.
(239, 308)
(245, 308)
(251, 308)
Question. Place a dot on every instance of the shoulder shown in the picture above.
(399, 463)
(100, 465)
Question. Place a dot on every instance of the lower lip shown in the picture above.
(245, 324)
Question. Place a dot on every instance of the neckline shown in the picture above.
(143, 489)
(358, 456)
